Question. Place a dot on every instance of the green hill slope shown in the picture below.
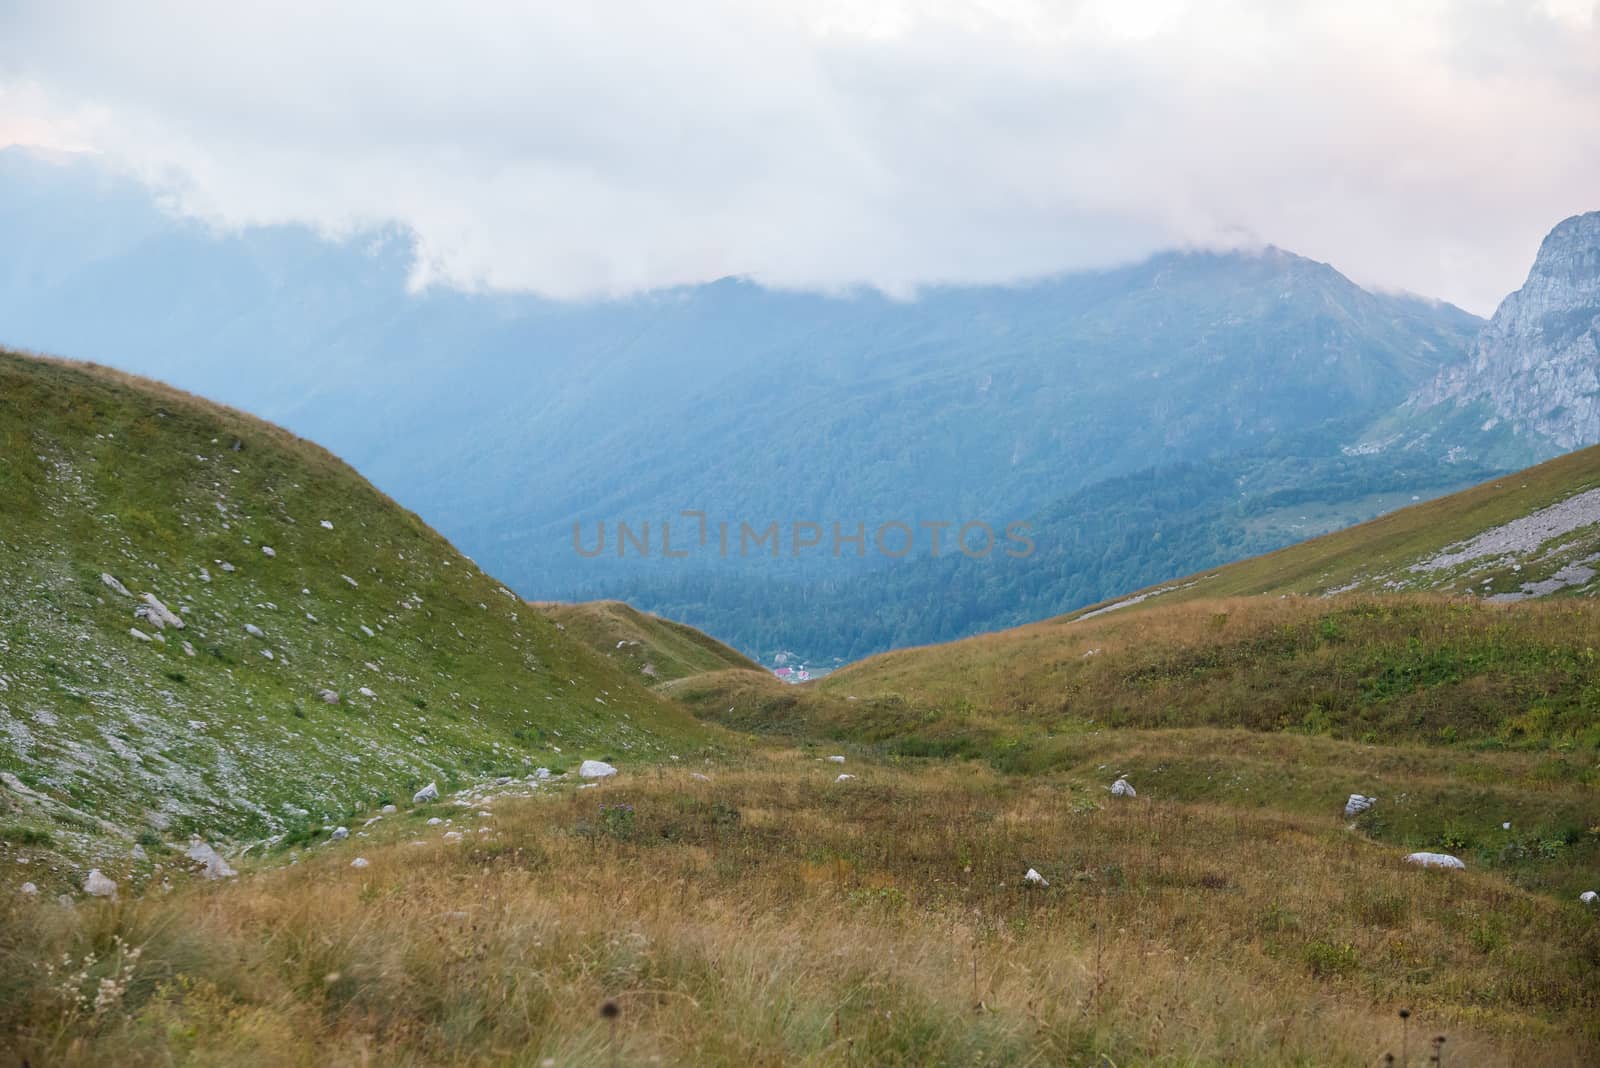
(659, 650)
(335, 652)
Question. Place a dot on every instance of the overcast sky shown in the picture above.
(593, 148)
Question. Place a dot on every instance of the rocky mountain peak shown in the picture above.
(1537, 363)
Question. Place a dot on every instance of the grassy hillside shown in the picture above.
(768, 914)
(659, 650)
(336, 653)
(1499, 540)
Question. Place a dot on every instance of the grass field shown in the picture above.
(773, 915)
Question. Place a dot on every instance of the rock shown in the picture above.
(214, 866)
(329, 697)
(596, 769)
(229, 568)
(205, 576)
(98, 885)
(836, 759)
(1589, 897)
(268, 654)
(339, 834)
(326, 525)
(698, 777)
(140, 635)
(1533, 365)
(1123, 788)
(365, 692)
(388, 810)
(541, 773)
(1035, 878)
(452, 836)
(188, 650)
(434, 821)
(160, 614)
(359, 862)
(269, 552)
(1435, 860)
(428, 793)
(1357, 804)
(116, 587)
(253, 630)
(347, 578)
(29, 889)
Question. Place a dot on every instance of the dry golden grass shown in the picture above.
(774, 916)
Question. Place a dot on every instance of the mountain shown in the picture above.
(659, 650)
(1537, 363)
(506, 420)
(210, 626)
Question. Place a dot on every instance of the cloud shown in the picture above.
(575, 149)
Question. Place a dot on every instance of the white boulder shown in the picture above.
(359, 862)
(139, 634)
(326, 525)
(329, 697)
(98, 885)
(111, 582)
(845, 777)
(339, 834)
(452, 836)
(429, 792)
(596, 769)
(268, 552)
(434, 821)
(1035, 878)
(388, 810)
(253, 630)
(1357, 804)
(365, 692)
(160, 614)
(214, 867)
(29, 889)
(1435, 860)
(836, 759)
(1123, 788)
(1589, 897)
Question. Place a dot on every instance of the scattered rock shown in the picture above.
(541, 773)
(836, 759)
(188, 650)
(29, 889)
(698, 777)
(160, 614)
(388, 810)
(268, 654)
(596, 769)
(350, 580)
(1035, 878)
(844, 778)
(268, 552)
(140, 635)
(434, 821)
(1589, 897)
(428, 793)
(452, 836)
(253, 630)
(359, 862)
(214, 866)
(229, 568)
(98, 885)
(366, 692)
(1123, 788)
(1435, 860)
(326, 525)
(329, 697)
(116, 587)
(339, 834)
(1357, 804)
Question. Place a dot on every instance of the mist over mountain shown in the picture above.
(1223, 380)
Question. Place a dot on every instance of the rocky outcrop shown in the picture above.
(1536, 365)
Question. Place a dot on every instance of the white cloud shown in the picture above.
(575, 149)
